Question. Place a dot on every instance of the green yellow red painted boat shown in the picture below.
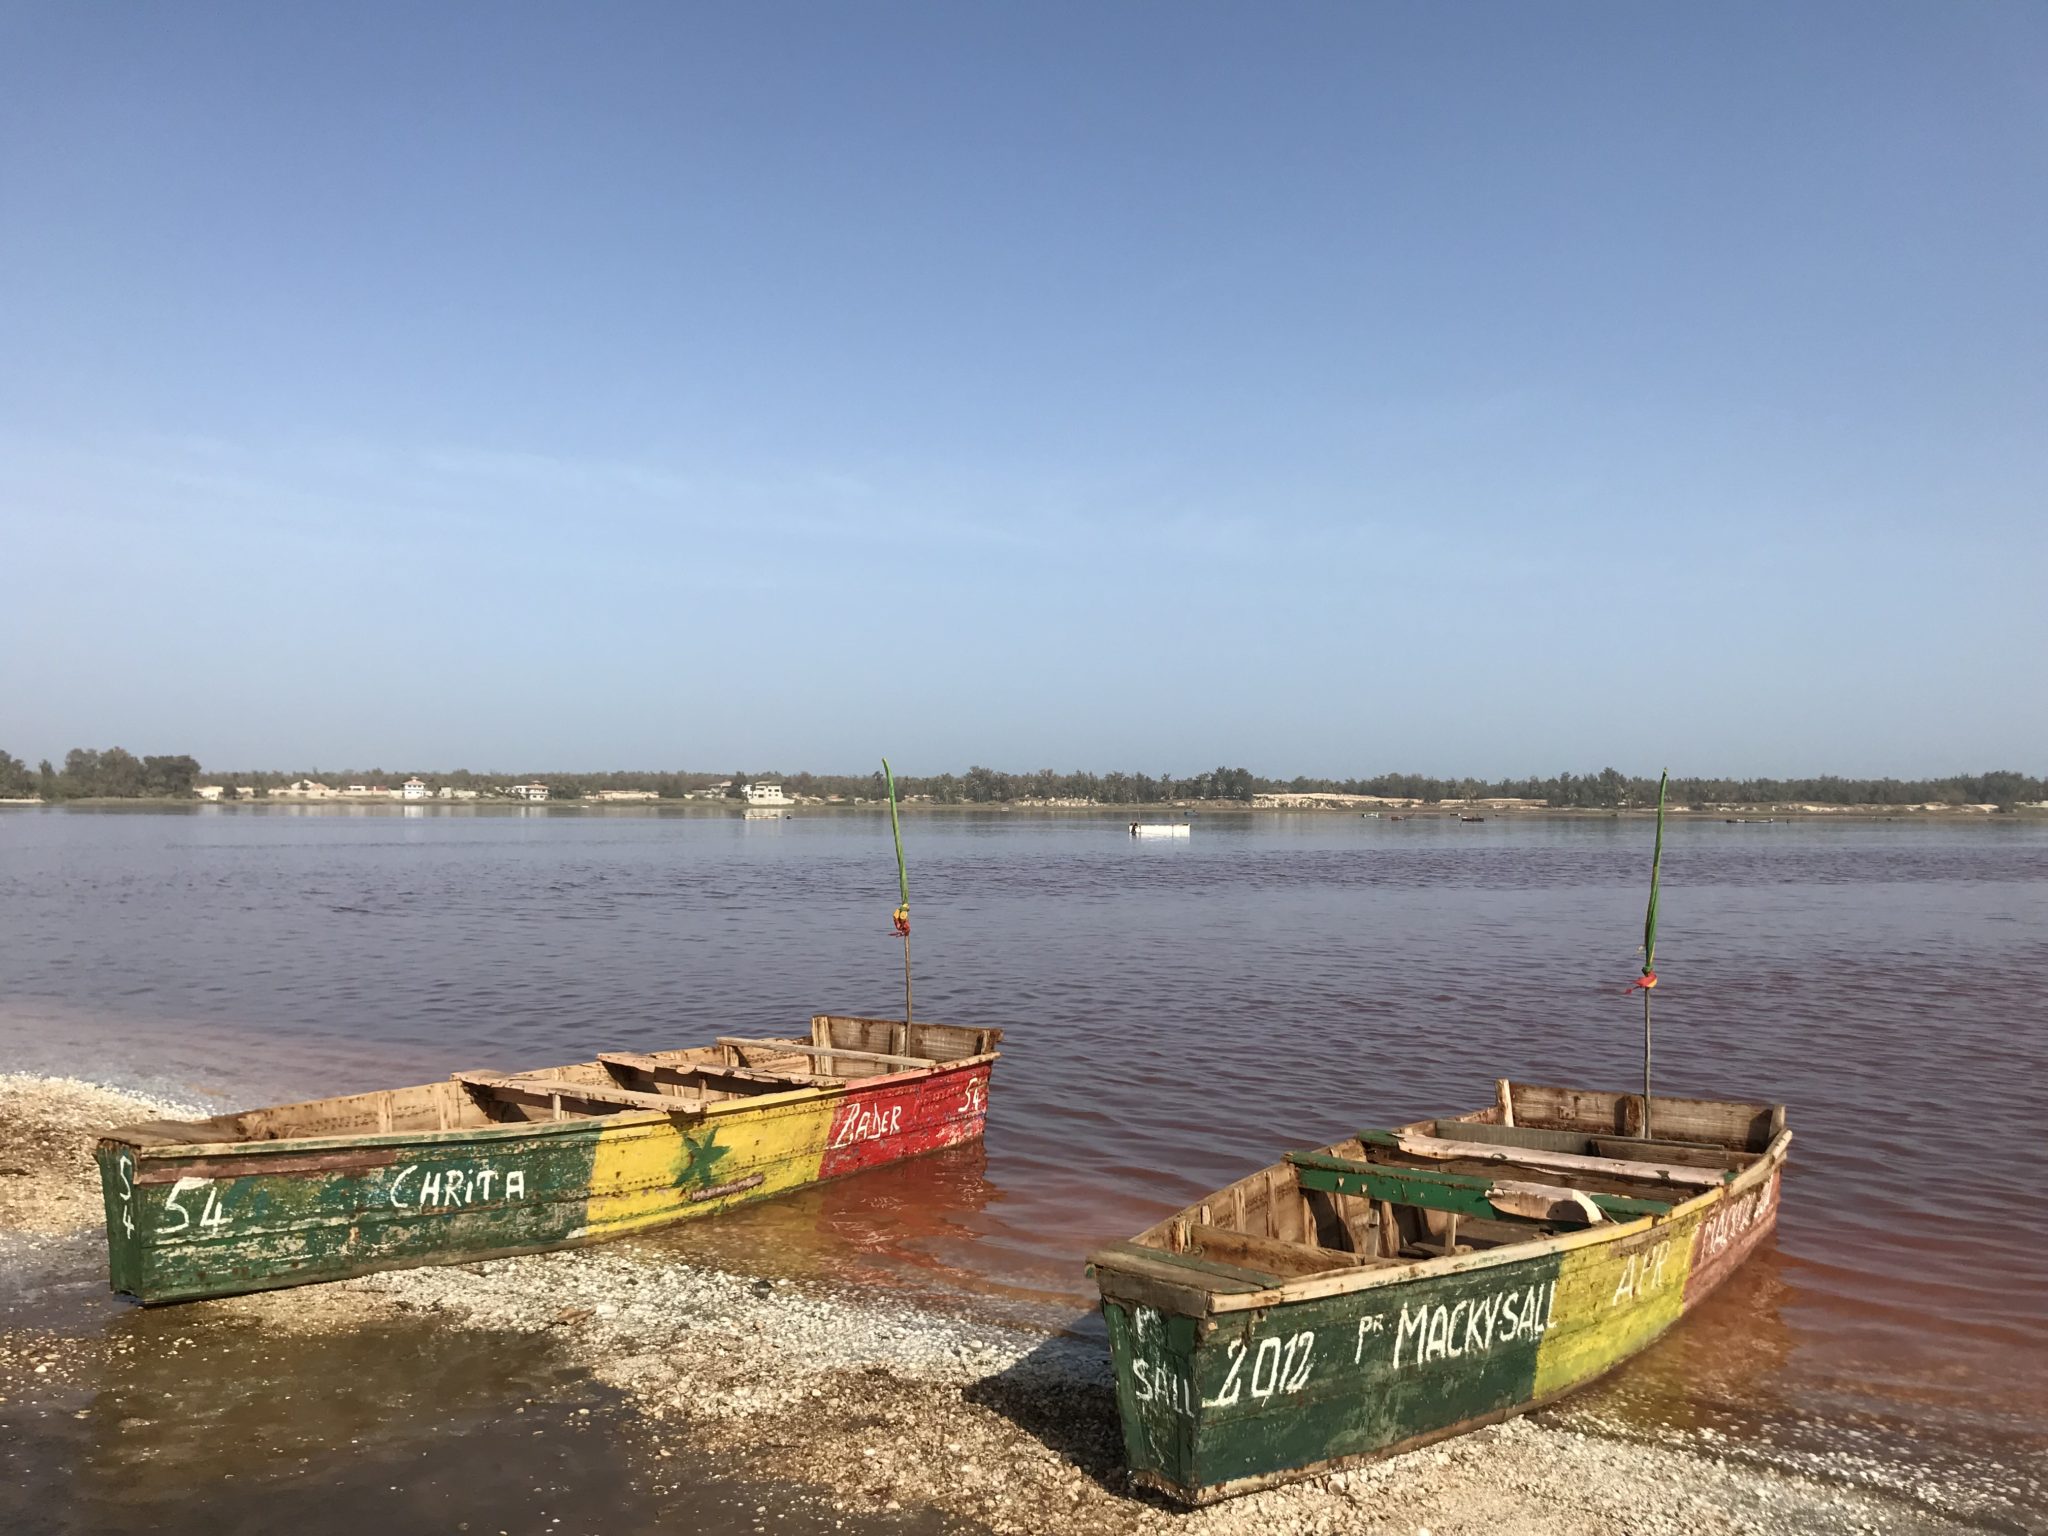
(1406, 1285)
(488, 1164)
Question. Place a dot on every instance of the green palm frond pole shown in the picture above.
(903, 888)
(1648, 980)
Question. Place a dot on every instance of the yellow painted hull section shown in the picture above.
(642, 1175)
(1612, 1299)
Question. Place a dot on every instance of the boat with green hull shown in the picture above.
(487, 1164)
(1406, 1285)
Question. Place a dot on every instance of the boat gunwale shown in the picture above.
(1106, 1265)
(503, 1130)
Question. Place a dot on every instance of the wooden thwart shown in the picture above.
(1190, 1270)
(546, 1089)
(792, 1048)
(1688, 1154)
(1270, 1254)
(686, 1071)
(1550, 1162)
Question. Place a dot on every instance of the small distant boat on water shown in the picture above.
(488, 1164)
(1160, 829)
(1407, 1285)
(1463, 817)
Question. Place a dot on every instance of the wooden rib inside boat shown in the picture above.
(492, 1163)
(1407, 1284)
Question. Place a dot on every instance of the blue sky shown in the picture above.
(1463, 388)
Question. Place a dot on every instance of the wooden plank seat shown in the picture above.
(1462, 1194)
(1691, 1154)
(792, 1048)
(714, 1072)
(1190, 1269)
(546, 1090)
(1275, 1255)
(1585, 1183)
(1438, 1149)
(175, 1133)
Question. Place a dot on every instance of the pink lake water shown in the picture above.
(1176, 1013)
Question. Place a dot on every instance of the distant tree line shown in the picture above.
(1609, 789)
(114, 774)
(117, 774)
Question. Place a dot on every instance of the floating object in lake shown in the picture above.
(1159, 829)
(1463, 817)
(1407, 1285)
(488, 1164)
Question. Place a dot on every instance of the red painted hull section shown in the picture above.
(1728, 1234)
(897, 1118)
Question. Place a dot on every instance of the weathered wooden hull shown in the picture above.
(196, 1220)
(1223, 1394)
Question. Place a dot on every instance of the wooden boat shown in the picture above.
(1406, 1285)
(488, 1164)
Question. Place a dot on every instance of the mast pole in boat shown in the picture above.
(1648, 1134)
(903, 889)
(1648, 980)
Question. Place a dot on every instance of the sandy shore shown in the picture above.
(881, 1409)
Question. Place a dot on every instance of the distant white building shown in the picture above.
(304, 789)
(527, 791)
(413, 789)
(767, 794)
(210, 791)
(623, 794)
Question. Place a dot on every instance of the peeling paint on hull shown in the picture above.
(215, 1220)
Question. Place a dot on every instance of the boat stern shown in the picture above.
(1155, 1355)
(127, 1245)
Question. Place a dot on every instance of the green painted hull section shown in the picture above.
(418, 1203)
(1322, 1380)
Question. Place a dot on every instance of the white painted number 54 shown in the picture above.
(211, 1217)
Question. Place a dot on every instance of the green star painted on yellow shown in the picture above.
(701, 1156)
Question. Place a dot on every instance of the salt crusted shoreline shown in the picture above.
(878, 1404)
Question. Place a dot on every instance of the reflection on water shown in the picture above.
(1177, 1013)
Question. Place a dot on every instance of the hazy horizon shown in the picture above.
(1477, 389)
(908, 770)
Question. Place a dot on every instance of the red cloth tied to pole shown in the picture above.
(1646, 981)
